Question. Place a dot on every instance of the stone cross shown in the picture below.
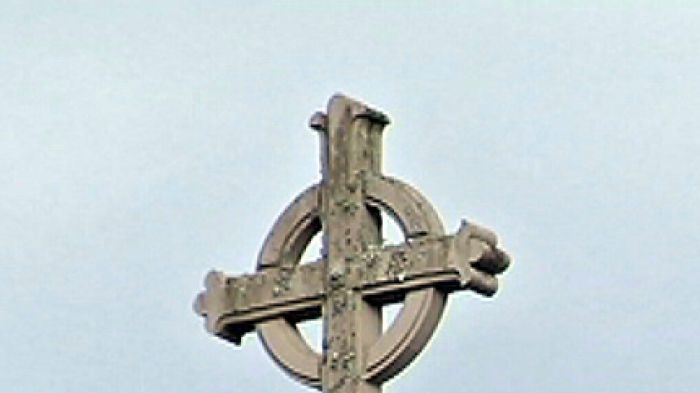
(356, 275)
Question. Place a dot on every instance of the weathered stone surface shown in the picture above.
(356, 274)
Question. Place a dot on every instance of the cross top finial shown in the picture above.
(356, 274)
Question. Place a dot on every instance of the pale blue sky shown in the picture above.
(143, 143)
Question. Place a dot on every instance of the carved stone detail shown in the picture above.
(355, 275)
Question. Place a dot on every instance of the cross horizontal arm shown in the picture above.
(232, 306)
(468, 259)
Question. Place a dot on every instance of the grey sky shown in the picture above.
(142, 144)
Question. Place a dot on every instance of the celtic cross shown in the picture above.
(356, 274)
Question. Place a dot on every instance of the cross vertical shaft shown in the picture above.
(351, 150)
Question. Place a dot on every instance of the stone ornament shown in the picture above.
(356, 274)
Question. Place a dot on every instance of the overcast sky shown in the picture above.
(144, 143)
